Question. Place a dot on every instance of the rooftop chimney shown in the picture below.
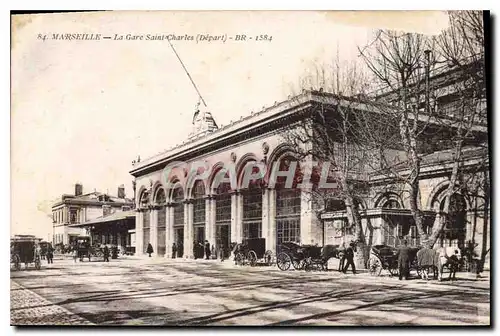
(121, 191)
(78, 189)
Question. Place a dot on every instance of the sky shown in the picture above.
(81, 111)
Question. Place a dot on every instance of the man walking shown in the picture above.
(207, 250)
(404, 261)
(342, 257)
(105, 252)
(174, 250)
(50, 254)
(149, 249)
(349, 256)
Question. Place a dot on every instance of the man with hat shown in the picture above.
(403, 255)
(349, 258)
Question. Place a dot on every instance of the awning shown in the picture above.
(114, 217)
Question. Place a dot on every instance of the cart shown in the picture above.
(25, 249)
(86, 250)
(252, 251)
(305, 257)
(383, 257)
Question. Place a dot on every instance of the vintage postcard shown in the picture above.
(250, 168)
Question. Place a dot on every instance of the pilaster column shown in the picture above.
(213, 218)
(239, 217)
(138, 233)
(208, 224)
(210, 220)
(154, 230)
(265, 218)
(305, 218)
(188, 229)
(171, 236)
(168, 232)
(272, 220)
(234, 215)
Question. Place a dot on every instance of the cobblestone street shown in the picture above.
(179, 292)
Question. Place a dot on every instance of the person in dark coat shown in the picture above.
(195, 250)
(404, 261)
(105, 252)
(349, 257)
(341, 257)
(149, 250)
(174, 251)
(50, 254)
(221, 252)
(207, 250)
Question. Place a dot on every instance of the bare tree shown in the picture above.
(402, 64)
(326, 135)
(399, 62)
(461, 47)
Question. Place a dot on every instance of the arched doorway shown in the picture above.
(252, 205)
(178, 222)
(199, 212)
(454, 231)
(161, 221)
(222, 199)
(288, 201)
(146, 220)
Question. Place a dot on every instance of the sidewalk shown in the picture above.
(29, 308)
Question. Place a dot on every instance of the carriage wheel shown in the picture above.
(298, 264)
(268, 257)
(374, 266)
(252, 258)
(283, 261)
(38, 265)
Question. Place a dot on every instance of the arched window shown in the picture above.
(223, 214)
(252, 206)
(455, 228)
(288, 201)
(178, 209)
(199, 211)
(161, 221)
(146, 220)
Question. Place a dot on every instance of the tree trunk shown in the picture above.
(439, 226)
(484, 249)
(354, 219)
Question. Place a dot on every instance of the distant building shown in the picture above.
(80, 208)
(116, 228)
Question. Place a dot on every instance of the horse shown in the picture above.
(235, 248)
(427, 259)
(331, 251)
(451, 258)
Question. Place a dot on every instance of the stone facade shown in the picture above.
(174, 207)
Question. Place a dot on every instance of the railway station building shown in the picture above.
(175, 205)
(72, 211)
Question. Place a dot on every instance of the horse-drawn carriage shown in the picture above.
(252, 251)
(25, 249)
(384, 257)
(422, 260)
(85, 249)
(44, 248)
(305, 257)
